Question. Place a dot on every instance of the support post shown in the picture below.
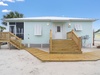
(80, 43)
(0, 45)
(9, 46)
(93, 37)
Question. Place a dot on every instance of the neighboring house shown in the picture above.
(97, 35)
(35, 31)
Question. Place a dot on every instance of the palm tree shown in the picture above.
(97, 31)
(12, 15)
(2, 28)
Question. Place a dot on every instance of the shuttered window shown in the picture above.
(37, 30)
(78, 27)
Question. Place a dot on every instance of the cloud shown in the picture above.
(20, 0)
(3, 4)
(5, 10)
(8, 0)
(12, 0)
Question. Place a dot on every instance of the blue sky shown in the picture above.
(67, 8)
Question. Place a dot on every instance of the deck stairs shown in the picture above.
(11, 39)
(70, 45)
(64, 46)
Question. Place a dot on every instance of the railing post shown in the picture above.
(80, 43)
(20, 43)
(8, 37)
(0, 45)
(50, 40)
(72, 34)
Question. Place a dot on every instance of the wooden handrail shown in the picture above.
(18, 39)
(4, 36)
(68, 32)
(75, 38)
(8, 36)
(50, 40)
(75, 34)
(15, 36)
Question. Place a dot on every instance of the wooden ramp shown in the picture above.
(11, 39)
(46, 57)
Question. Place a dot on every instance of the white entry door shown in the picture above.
(58, 32)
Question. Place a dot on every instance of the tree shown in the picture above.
(12, 15)
(2, 28)
(97, 31)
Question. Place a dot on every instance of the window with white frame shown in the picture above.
(78, 27)
(37, 30)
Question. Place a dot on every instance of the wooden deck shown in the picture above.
(46, 57)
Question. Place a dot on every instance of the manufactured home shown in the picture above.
(37, 31)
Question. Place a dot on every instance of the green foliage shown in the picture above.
(97, 31)
(12, 15)
(2, 28)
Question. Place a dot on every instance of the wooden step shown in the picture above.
(62, 41)
(67, 52)
(64, 46)
(17, 44)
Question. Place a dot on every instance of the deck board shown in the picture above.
(46, 57)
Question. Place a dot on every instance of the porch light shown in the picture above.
(48, 24)
(69, 25)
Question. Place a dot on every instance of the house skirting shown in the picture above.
(37, 45)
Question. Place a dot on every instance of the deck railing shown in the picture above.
(75, 38)
(8, 36)
(4, 36)
(14, 37)
(50, 49)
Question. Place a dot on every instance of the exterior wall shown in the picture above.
(86, 30)
(36, 39)
(44, 38)
(7, 28)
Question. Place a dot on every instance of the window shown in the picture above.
(12, 23)
(78, 27)
(20, 29)
(17, 28)
(58, 29)
(37, 30)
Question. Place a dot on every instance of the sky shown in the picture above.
(60, 8)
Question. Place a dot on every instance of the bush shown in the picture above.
(98, 46)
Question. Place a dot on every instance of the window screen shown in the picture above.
(12, 23)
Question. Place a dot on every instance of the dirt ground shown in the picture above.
(20, 62)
